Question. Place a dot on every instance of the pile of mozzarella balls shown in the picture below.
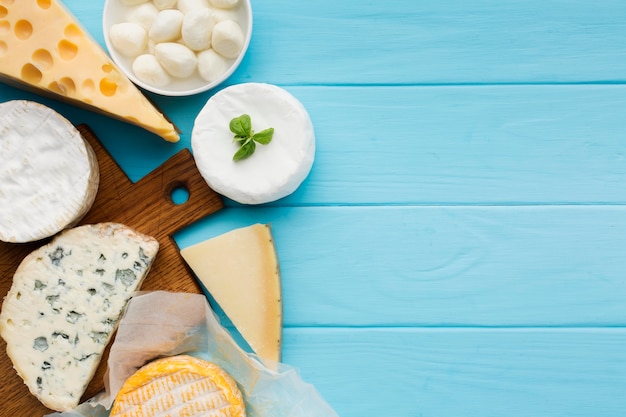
(172, 39)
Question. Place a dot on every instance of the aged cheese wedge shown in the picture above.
(274, 170)
(49, 174)
(65, 303)
(179, 386)
(43, 47)
(240, 270)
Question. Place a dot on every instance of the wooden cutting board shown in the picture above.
(146, 206)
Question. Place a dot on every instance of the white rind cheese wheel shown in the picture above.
(49, 174)
(274, 170)
(64, 304)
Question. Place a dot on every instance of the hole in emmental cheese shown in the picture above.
(72, 31)
(64, 86)
(108, 68)
(42, 58)
(44, 4)
(5, 26)
(67, 49)
(108, 87)
(88, 86)
(3, 11)
(31, 74)
(23, 29)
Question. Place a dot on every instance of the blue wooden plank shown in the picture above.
(426, 42)
(443, 266)
(429, 145)
(502, 145)
(464, 372)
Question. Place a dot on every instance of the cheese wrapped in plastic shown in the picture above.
(268, 388)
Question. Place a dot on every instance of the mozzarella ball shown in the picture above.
(197, 28)
(164, 4)
(178, 60)
(223, 14)
(144, 14)
(187, 6)
(227, 39)
(148, 69)
(132, 2)
(212, 65)
(166, 26)
(224, 4)
(129, 39)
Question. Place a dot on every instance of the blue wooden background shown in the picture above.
(459, 248)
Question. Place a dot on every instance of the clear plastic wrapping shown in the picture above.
(161, 323)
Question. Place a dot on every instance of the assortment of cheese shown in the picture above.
(68, 296)
(179, 39)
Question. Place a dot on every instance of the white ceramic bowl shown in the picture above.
(115, 12)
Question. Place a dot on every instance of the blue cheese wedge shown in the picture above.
(65, 303)
(49, 174)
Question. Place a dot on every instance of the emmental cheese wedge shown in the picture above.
(44, 48)
(179, 386)
(65, 303)
(240, 270)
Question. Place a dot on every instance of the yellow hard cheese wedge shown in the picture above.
(240, 270)
(179, 386)
(43, 48)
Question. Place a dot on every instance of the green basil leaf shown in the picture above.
(240, 139)
(264, 137)
(245, 151)
(241, 126)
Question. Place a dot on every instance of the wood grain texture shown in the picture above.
(146, 206)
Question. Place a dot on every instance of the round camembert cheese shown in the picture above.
(179, 386)
(49, 174)
(274, 170)
(65, 303)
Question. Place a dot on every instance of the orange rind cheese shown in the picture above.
(179, 386)
(44, 48)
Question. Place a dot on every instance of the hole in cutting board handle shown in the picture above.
(178, 193)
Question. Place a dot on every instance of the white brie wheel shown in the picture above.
(49, 174)
(274, 170)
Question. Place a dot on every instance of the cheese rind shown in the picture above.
(274, 170)
(49, 174)
(179, 385)
(64, 304)
(43, 47)
(240, 270)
